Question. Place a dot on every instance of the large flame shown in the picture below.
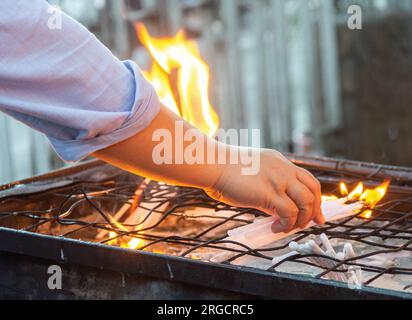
(178, 64)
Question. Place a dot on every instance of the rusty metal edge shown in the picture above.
(323, 163)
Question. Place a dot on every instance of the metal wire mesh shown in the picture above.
(186, 222)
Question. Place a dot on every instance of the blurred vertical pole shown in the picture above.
(306, 16)
(273, 77)
(6, 164)
(261, 108)
(40, 153)
(330, 65)
(173, 12)
(233, 113)
(121, 36)
(105, 24)
(278, 76)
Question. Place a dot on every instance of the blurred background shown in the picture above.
(291, 68)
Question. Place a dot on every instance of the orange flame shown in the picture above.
(371, 197)
(357, 192)
(180, 56)
(134, 243)
(343, 189)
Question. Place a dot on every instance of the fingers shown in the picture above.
(304, 200)
(314, 186)
(287, 211)
(300, 204)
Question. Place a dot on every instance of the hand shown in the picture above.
(279, 188)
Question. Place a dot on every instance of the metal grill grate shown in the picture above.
(83, 209)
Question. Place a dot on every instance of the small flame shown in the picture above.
(114, 241)
(179, 58)
(357, 192)
(370, 197)
(134, 243)
(367, 214)
(343, 189)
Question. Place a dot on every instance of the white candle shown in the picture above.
(278, 259)
(328, 246)
(348, 251)
(316, 249)
(259, 233)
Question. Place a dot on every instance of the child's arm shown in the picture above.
(60, 80)
(279, 187)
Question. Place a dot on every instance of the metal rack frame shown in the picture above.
(75, 188)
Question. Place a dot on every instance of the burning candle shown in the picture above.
(259, 233)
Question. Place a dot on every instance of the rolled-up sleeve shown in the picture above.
(59, 79)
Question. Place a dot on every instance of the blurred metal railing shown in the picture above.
(24, 152)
